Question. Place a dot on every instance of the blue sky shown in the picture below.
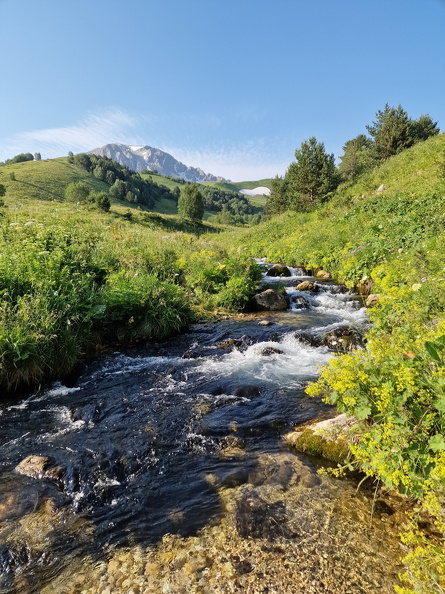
(231, 86)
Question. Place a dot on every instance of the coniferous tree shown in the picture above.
(424, 128)
(357, 157)
(312, 177)
(191, 203)
(278, 200)
(392, 132)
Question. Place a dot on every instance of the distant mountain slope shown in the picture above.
(139, 158)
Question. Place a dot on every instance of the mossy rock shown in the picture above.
(310, 443)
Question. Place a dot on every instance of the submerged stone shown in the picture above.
(256, 518)
(33, 466)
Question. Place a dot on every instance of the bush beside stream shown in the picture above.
(77, 280)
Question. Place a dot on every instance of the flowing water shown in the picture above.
(163, 440)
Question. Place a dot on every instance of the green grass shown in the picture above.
(45, 180)
(162, 180)
(419, 170)
(392, 244)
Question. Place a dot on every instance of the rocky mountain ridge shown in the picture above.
(139, 158)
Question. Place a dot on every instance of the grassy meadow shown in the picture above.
(74, 280)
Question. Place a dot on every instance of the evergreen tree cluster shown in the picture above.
(125, 184)
(312, 178)
(217, 200)
(392, 131)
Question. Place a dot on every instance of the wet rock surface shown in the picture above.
(307, 286)
(343, 339)
(270, 300)
(278, 270)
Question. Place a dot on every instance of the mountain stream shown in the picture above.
(162, 470)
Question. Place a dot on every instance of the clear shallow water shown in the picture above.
(140, 433)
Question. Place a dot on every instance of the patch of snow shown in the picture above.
(261, 190)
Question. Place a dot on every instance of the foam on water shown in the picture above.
(288, 362)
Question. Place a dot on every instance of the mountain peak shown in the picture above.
(139, 158)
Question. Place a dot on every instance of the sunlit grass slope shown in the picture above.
(390, 243)
(45, 180)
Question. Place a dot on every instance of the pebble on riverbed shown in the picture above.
(280, 532)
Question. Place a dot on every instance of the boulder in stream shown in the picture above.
(268, 351)
(300, 302)
(34, 466)
(326, 439)
(279, 270)
(307, 286)
(372, 300)
(323, 275)
(343, 339)
(270, 300)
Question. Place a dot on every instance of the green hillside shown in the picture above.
(48, 179)
(390, 244)
(45, 180)
(244, 185)
(418, 170)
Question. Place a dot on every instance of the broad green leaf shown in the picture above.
(362, 412)
(432, 351)
(436, 443)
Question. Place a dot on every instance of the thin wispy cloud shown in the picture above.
(97, 129)
(252, 159)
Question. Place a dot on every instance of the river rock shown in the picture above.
(248, 392)
(381, 188)
(343, 339)
(33, 466)
(307, 286)
(300, 302)
(265, 323)
(241, 344)
(326, 439)
(308, 338)
(323, 275)
(270, 300)
(279, 270)
(372, 300)
(267, 351)
(257, 518)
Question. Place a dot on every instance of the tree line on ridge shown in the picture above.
(314, 176)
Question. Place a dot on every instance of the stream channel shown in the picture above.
(163, 470)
